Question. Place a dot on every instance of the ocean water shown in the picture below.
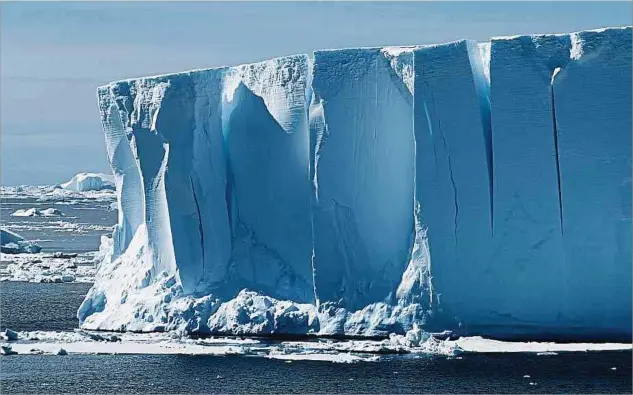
(52, 307)
(79, 230)
(40, 307)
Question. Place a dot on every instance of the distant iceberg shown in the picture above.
(477, 188)
(84, 182)
(12, 243)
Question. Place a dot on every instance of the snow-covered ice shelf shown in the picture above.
(479, 188)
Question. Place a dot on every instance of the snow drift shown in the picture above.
(479, 188)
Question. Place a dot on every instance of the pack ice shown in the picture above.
(477, 188)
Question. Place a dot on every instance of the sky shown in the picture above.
(53, 55)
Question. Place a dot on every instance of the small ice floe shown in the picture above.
(35, 212)
(614, 368)
(6, 349)
(547, 353)
(533, 383)
(526, 376)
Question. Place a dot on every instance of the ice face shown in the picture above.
(593, 124)
(266, 142)
(115, 105)
(363, 168)
(453, 174)
(526, 204)
(481, 188)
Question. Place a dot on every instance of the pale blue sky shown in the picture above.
(54, 55)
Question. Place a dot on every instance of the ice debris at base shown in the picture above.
(35, 212)
(373, 191)
(12, 243)
(338, 351)
(49, 267)
(84, 182)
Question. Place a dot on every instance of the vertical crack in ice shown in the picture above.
(480, 67)
(555, 130)
(200, 227)
(453, 184)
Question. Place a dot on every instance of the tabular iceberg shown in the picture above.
(479, 188)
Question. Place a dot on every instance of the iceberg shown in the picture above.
(12, 243)
(84, 182)
(479, 188)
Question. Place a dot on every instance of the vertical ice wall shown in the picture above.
(217, 165)
(453, 173)
(209, 225)
(115, 105)
(266, 138)
(592, 96)
(506, 166)
(363, 170)
(189, 122)
(526, 206)
(164, 118)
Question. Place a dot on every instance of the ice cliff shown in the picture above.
(478, 188)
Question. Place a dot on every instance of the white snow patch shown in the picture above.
(576, 50)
